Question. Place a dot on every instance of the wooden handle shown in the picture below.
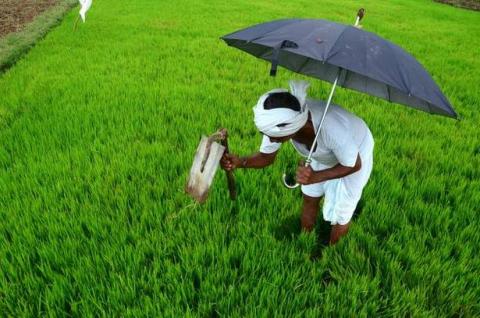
(230, 177)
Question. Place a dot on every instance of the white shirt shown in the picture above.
(341, 138)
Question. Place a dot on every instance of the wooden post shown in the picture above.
(230, 177)
(75, 25)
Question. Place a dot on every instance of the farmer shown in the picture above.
(342, 158)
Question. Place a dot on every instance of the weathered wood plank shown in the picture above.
(199, 181)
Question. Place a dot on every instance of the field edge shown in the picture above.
(15, 45)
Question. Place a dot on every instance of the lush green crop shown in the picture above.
(98, 129)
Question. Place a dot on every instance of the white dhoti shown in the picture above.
(341, 195)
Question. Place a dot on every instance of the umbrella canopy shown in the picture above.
(362, 60)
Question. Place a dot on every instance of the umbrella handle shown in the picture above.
(289, 180)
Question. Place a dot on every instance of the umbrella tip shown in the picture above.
(360, 14)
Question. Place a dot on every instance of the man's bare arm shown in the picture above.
(257, 161)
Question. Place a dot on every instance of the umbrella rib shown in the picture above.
(266, 33)
(430, 108)
(327, 56)
(404, 76)
(404, 89)
(303, 65)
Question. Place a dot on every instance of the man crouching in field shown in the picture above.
(341, 161)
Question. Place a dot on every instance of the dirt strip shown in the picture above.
(466, 4)
(15, 14)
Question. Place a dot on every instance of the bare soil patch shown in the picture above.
(466, 4)
(15, 14)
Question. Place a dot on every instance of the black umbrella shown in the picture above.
(364, 61)
(346, 56)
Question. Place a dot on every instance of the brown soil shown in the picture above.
(466, 4)
(15, 14)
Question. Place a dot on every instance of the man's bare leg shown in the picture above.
(309, 213)
(337, 232)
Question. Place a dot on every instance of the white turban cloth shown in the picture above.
(267, 120)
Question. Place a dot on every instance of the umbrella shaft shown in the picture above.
(309, 159)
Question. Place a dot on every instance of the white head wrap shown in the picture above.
(267, 120)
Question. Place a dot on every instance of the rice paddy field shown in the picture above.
(98, 130)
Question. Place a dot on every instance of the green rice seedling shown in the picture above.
(94, 158)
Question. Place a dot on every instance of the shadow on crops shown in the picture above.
(196, 286)
(230, 222)
(322, 237)
(288, 229)
(322, 230)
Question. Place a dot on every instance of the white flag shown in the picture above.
(84, 6)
